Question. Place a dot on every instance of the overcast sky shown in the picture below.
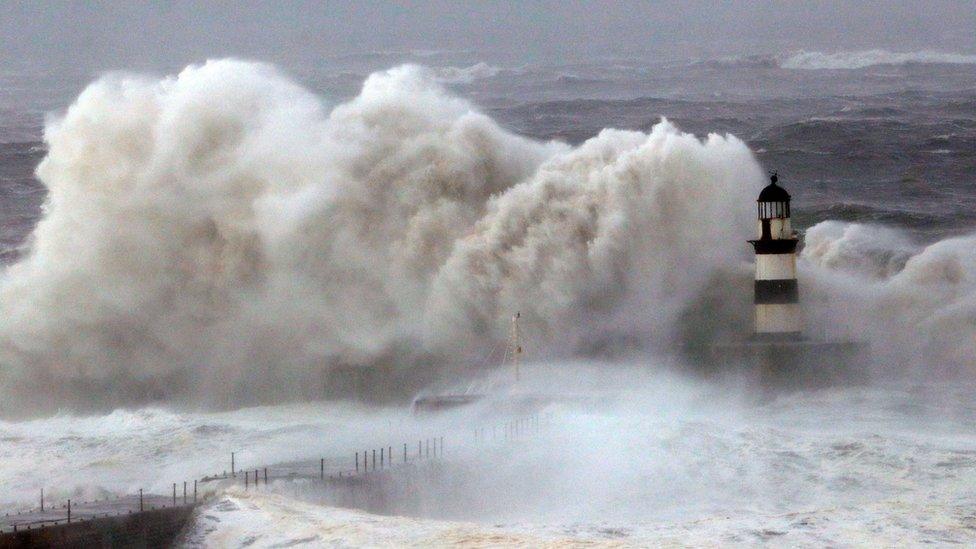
(100, 35)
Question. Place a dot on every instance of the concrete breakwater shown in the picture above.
(361, 480)
(152, 528)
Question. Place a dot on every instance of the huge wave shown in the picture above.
(222, 232)
(917, 305)
(223, 235)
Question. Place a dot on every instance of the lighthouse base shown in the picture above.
(792, 363)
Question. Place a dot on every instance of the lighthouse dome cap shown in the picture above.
(773, 192)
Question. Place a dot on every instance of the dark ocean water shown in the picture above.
(891, 143)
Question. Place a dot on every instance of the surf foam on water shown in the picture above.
(657, 459)
(680, 466)
(848, 60)
(87, 457)
(271, 520)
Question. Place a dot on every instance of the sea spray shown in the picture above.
(223, 236)
(220, 234)
(916, 305)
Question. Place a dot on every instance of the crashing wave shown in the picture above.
(223, 233)
(815, 60)
(466, 75)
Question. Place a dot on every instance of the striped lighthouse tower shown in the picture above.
(776, 291)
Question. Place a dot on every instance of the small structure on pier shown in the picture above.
(445, 401)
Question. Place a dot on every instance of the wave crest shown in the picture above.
(815, 60)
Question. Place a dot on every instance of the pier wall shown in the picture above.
(155, 528)
(406, 478)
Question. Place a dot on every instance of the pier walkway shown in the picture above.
(154, 516)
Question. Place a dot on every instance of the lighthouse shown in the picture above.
(777, 355)
(776, 291)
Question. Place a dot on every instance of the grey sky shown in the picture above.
(100, 35)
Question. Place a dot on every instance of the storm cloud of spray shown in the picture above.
(225, 228)
(916, 305)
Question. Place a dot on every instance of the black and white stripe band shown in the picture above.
(776, 291)
(775, 245)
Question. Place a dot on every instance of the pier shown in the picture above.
(153, 519)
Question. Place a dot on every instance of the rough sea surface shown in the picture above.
(886, 139)
(683, 465)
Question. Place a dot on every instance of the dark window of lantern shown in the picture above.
(771, 210)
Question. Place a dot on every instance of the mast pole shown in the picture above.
(517, 343)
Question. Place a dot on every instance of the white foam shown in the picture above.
(673, 464)
(224, 226)
(466, 75)
(816, 60)
(83, 457)
(660, 459)
(915, 305)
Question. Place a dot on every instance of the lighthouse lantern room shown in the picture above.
(776, 291)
